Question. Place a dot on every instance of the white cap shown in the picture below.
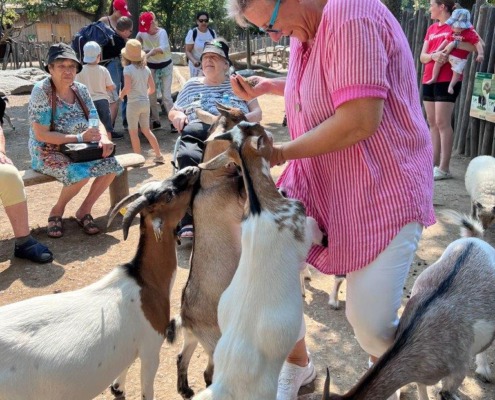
(91, 50)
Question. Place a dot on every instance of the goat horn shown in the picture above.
(122, 203)
(132, 210)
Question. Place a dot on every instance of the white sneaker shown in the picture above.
(439, 175)
(292, 377)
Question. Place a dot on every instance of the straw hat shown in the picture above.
(133, 50)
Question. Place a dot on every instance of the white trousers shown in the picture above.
(374, 292)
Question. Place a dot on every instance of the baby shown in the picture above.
(462, 31)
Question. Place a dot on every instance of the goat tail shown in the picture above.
(326, 387)
(470, 227)
(173, 326)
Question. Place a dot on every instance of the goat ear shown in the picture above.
(224, 136)
(222, 108)
(205, 116)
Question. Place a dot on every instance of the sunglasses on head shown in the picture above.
(203, 20)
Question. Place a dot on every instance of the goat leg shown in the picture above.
(483, 371)
(333, 298)
(118, 386)
(422, 391)
(183, 359)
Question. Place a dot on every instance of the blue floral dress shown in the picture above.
(68, 119)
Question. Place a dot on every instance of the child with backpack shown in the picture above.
(138, 85)
(195, 42)
(98, 81)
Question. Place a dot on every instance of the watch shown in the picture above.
(79, 137)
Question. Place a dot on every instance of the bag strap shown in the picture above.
(54, 103)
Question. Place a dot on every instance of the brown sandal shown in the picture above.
(88, 224)
(57, 229)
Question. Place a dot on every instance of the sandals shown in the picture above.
(57, 229)
(186, 232)
(34, 251)
(88, 224)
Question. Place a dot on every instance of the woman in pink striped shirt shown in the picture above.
(360, 154)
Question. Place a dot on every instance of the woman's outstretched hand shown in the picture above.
(249, 88)
(277, 156)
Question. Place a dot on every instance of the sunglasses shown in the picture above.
(269, 27)
(204, 21)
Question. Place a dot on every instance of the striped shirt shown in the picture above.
(364, 194)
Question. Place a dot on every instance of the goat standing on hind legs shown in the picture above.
(260, 313)
(72, 345)
(449, 319)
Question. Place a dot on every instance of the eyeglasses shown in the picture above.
(203, 21)
(269, 27)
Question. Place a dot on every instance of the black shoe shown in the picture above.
(156, 125)
(34, 251)
(117, 135)
(172, 129)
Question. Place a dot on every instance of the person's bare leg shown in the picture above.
(455, 78)
(299, 354)
(114, 109)
(443, 116)
(136, 144)
(436, 70)
(152, 140)
(18, 217)
(66, 195)
(434, 132)
(98, 186)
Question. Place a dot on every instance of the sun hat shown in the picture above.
(133, 50)
(460, 19)
(91, 51)
(219, 47)
(60, 51)
(121, 5)
(145, 21)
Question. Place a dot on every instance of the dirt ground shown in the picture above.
(81, 259)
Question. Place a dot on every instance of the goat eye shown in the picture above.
(479, 205)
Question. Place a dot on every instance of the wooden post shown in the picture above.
(119, 188)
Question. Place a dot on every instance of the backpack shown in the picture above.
(195, 33)
(98, 32)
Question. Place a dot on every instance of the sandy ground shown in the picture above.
(81, 259)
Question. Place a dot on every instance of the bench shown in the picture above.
(119, 188)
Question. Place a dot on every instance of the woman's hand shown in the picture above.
(92, 135)
(180, 120)
(439, 57)
(107, 146)
(277, 156)
(4, 159)
(249, 88)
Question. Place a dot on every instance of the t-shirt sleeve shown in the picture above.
(39, 109)
(470, 36)
(108, 78)
(164, 43)
(189, 37)
(359, 70)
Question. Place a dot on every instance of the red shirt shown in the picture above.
(435, 35)
(467, 35)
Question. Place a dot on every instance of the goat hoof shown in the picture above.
(186, 393)
(334, 304)
(483, 377)
(118, 394)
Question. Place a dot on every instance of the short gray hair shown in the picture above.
(236, 9)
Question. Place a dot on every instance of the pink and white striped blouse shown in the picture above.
(363, 195)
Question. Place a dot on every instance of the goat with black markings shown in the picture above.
(260, 313)
(72, 345)
(217, 209)
(449, 319)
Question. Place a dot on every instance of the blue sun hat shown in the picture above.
(460, 19)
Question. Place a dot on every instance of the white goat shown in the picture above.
(449, 319)
(72, 345)
(260, 313)
(217, 210)
(480, 184)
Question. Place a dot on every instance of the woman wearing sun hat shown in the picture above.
(159, 57)
(138, 86)
(67, 122)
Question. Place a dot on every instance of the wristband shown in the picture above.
(79, 137)
(456, 44)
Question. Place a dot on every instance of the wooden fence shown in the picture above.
(472, 136)
(24, 54)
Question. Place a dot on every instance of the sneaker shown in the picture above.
(292, 377)
(156, 125)
(439, 175)
(159, 160)
(117, 135)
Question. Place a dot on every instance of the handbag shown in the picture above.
(77, 152)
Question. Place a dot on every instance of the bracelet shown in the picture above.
(79, 137)
(456, 44)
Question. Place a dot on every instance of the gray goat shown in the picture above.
(449, 319)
